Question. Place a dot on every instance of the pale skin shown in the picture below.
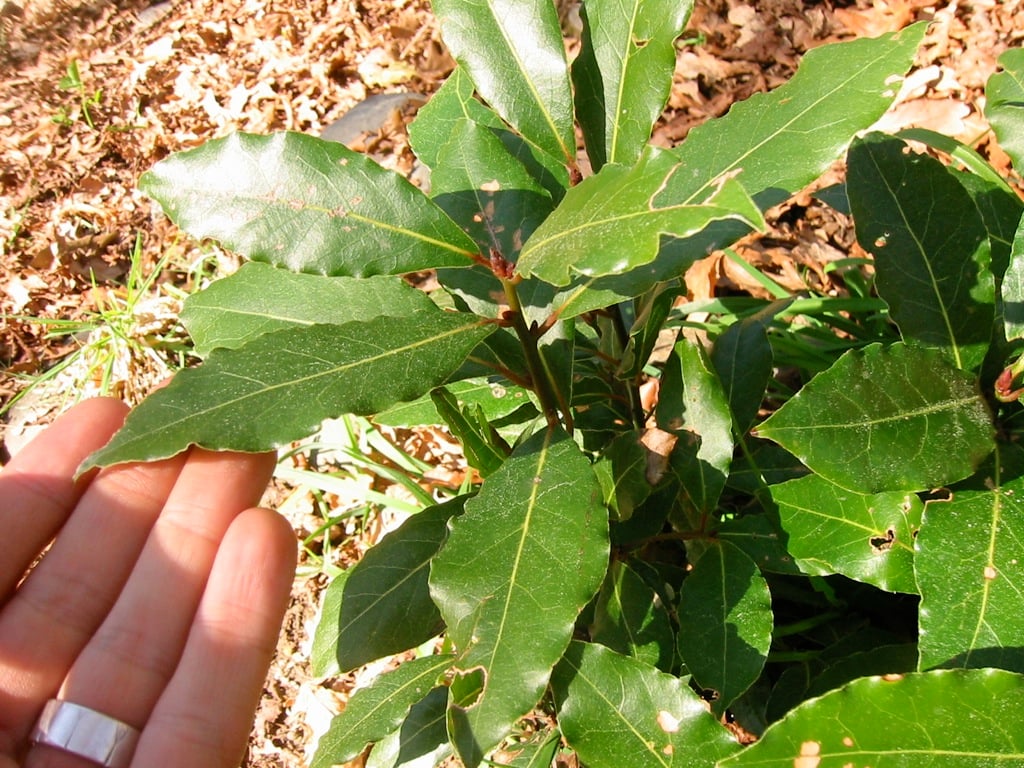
(159, 603)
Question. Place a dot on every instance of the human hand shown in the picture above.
(159, 603)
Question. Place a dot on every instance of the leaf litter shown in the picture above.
(154, 79)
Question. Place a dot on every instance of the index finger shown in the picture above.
(38, 488)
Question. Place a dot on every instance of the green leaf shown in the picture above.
(260, 298)
(383, 604)
(623, 74)
(930, 247)
(479, 183)
(421, 741)
(1004, 105)
(946, 718)
(743, 359)
(868, 538)
(622, 472)
(725, 623)
(778, 143)
(373, 712)
(631, 619)
(497, 399)
(970, 570)
(480, 443)
(306, 204)
(518, 567)
(513, 51)
(538, 752)
(886, 418)
(616, 711)
(693, 405)
(280, 386)
(613, 222)
(1013, 288)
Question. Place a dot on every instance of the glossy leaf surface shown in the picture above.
(497, 399)
(422, 739)
(623, 73)
(613, 222)
(930, 247)
(537, 522)
(631, 619)
(282, 385)
(868, 538)
(1013, 288)
(306, 204)
(373, 712)
(948, 719)
(260, 298)
(513, 51)
(970, 569)
(383, 605)
(725, 623)
(616, 711)
(886, 418)
(1004, 105)
(777, 143)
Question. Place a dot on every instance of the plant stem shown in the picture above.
(542, 384)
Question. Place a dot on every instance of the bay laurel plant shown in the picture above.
(812, 538)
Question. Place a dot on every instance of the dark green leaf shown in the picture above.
(422, 738)
(623, 74)
(622, 472)
(762, 538)
(725, 623)
(868, 538)
(282, 385)
(959, 719)
(497, 398)
(374, 712)
(930, 247)
(480, 443)
(383, 604)
(260, 298)
(613, 222)
(306, 204)
(886, 418)
(481, 185)
(538, 752)
(631, 619)
(693, 406)
(1004, 105)
(616, 711)
(1013, 288)
(646, 331)
(970, 570)
(742, 357)
(536, 523)
(514, 53)
(778, 143)
(883, 660)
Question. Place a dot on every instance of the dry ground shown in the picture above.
(158, 78)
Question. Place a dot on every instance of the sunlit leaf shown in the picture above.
(614, 222)
(930, 247)
(946, 718)
(1004, 105)
(260, 298)
(537, 522)
(970, 570)
(616, 711)
(307, 204)
(886, 418)
(422, 739)
(382, 606)
(869, 538)
(373, 712)
(282, 385)
(623, 74)
(514, 53)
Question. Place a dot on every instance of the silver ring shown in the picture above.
(86, 733)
